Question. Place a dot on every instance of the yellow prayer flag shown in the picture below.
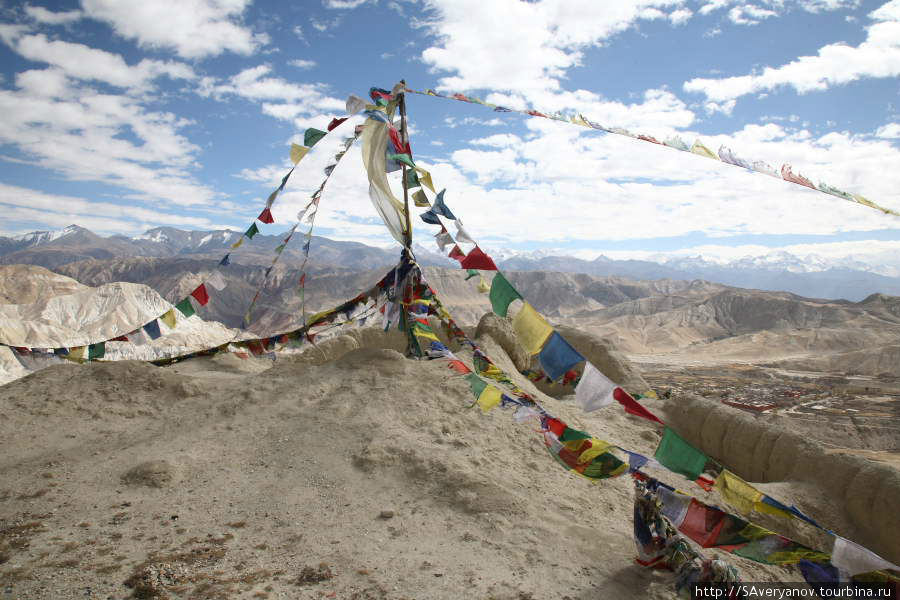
(425, 178)
(169, 318)
(701, 150)
(763, 507)
(298, 152)
(76, 354)
(430, 335)
(531, 328)
(489, 398)
(238, 243)
(318, 316)
(483, 287)
(738, 492)
(420, 199)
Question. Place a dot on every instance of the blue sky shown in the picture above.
(181, 113)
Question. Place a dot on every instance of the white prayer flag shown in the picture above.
(594, 390)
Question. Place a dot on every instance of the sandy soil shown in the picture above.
(364, 477)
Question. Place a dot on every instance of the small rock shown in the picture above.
(386, 514)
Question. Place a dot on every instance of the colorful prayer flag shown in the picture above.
(251, 231)
(311, 136)
(200, 295)
(440, 208)
(531, 328)
(335, 122)
(96, 351)
(633, 407)
(594, 390)
(169, 318)
(185, 307)
(297, 153)
(476, 259)
(456, 253)
(502, 294)
(266, 216)
(677, 455)
(420, 199)
(152, 329)
(558, 356)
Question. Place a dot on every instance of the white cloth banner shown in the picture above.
(375, 138)
(854, 559)
(594, 390)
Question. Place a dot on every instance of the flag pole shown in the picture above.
(412, 347)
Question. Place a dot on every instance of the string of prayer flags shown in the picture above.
(502, 294)
(152, 329)
(558, 356)
(169, 318)
(200, 295)
(477, 259)
(579, 452)
(725, 155)
(186, 308)
(531, 328)
(678, 456)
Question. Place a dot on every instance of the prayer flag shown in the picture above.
(312, 135)
(558, 356)
(237, 244)
(200, 295)
(594, 390)
(737, 492)
(441, 208)
(459, 366)
(429, 217)
(476, 384)
(412, 180)
(462, 235)
(677, 455)
(402, 158)
(225, 260)
(169, 318)
(502, 294)
(96, 351)
(76, 354)
(355, 104)
(531, 328)
(266, 216)
(443, 239)
(855, 559)
(489, 398)
(456, 253)
(185, 307)
(482, 285)
(152, 329)
(425, 178)
(298, 152)
(252, 230)
(215, 280)
(420, 199)
(701, 150)
(335, 122)
(632, 407)
(476, 259)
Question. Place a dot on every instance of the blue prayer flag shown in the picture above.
(558, 356)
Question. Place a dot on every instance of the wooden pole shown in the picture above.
(412, 348)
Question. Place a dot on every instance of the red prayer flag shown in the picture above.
(256, 347)
(121, 338)
(335, 122)
(456, 253)
(266, 216)
(632, 407)
(200, 295)
(556, 426)
(459, 366)
(476, 259)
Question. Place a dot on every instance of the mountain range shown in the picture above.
(59, 250)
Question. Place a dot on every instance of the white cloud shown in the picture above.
(91, 64)
(535, 44)
(28, 205)
(301, 63)
(680, 16)
(889, 131)
(192, 28)
(343, 4)
(48, 17)
(835, 64)
(749, 14)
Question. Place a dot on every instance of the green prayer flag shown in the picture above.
(570, 434)
(253, 230)
(96, 350)
(280, 248)
(470, 273)
(185, 307)
(502, 294)
(677, 455)
(312, 135)
(476, 384)
(412, 179)
(404, 158)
